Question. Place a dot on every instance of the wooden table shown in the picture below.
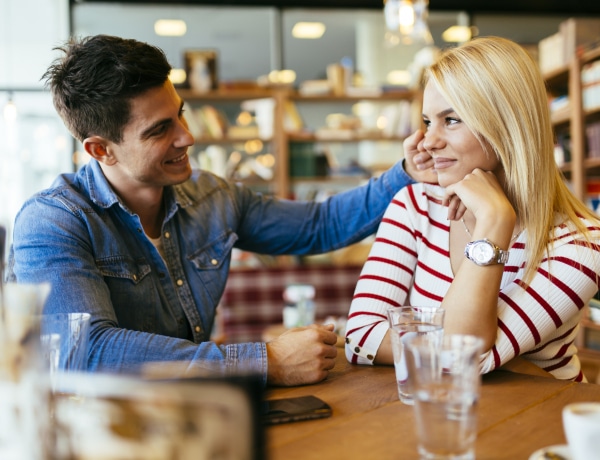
(518, 414)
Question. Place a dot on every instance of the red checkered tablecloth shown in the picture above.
(253, 298)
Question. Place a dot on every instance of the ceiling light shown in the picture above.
(457, 34)
(398, 77)
(177, 76)
(406, 22)
(170, 27)
(10, 110)
(308, 30)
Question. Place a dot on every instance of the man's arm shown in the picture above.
(51, 244)
(278, 227)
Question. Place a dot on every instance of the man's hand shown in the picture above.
(301, 355)
(418, 162)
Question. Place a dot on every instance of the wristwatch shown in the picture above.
(484, 252)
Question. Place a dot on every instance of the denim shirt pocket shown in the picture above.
(214, 254)
(124, 267)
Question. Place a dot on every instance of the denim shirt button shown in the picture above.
(214, 261)
(179, 283)
(197, 328)
(167, 235)
(134, 277)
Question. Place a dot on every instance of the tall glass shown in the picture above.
(446, 381)
(24, 422)
(406, 322)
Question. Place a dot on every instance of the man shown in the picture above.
(143, 243)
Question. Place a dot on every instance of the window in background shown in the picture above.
(35, 147)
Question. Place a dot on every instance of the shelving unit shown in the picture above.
(282, 183)
(573, 120)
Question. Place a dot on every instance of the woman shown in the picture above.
(522, 262)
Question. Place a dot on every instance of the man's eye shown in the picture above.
(159, 130)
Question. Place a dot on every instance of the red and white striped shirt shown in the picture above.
(409, 264)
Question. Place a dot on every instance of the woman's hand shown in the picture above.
(480, 193)
(418, 164)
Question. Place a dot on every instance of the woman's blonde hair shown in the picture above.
(497, 89)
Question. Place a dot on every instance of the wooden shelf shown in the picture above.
(384, 96)
(297, 137)
(574, 119)
(281, 139)
(228, 140)
(224, 95)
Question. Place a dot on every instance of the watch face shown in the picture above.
(482, 252)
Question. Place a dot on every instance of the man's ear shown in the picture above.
(97, 148)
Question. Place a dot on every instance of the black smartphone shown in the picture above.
(295, 409)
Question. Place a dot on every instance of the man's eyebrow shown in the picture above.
(166, 121)
(148, 131)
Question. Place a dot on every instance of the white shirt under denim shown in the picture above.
(78, 236)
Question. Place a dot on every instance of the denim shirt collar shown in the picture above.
(102, 194)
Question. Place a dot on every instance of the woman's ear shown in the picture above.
(97, 148)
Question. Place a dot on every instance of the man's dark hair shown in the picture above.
(94, 81)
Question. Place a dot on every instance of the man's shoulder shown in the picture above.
(67, 188)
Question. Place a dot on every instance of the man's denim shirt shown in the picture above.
(78, 236)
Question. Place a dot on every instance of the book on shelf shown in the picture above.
(292, 121)
(592, 132)
(577, 33)
(306, 160)
(214, 124)
(242, 132)
(560, 48)
(398, 119)
(562, 148)
(590, 80)
(593, 193)
(315, 88)
(548, 57)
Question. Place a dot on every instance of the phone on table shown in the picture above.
(295, 409)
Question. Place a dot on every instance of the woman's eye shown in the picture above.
(452, 121)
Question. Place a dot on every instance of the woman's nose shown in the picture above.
(432, 140)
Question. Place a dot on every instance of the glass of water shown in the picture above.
(406, 322)
(445, 380)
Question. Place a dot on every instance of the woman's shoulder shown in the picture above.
(566, 231)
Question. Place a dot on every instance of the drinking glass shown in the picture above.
(65, 341)
(24, 422)
(406, 322)
(445, 379)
